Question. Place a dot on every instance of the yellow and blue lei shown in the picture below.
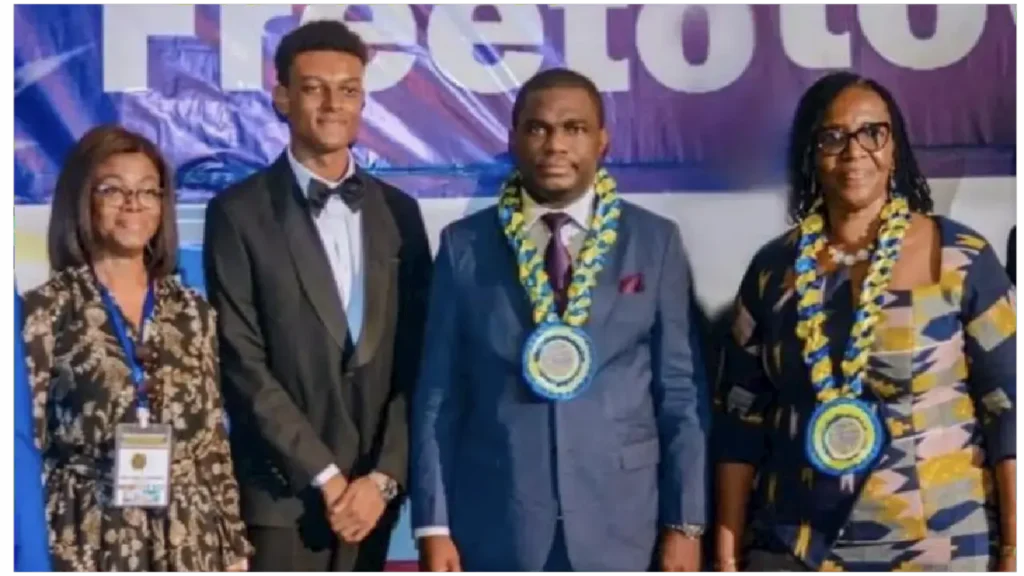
(565, 331)
(836, 402)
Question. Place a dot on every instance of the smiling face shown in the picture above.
(127, 204)
(558, 143)
(854, 150)
(323, 100)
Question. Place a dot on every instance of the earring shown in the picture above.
(892, 183)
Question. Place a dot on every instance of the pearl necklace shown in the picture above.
(842, 257)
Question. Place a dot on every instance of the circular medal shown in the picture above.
(844, 436)
(558, 361)
(138, 461)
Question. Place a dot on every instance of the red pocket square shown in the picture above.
(633, 284)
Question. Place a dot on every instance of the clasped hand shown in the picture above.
(353, 508)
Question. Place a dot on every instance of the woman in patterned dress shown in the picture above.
(940, 374)
(112, 247)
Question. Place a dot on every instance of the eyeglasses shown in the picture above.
(872, 137)
(116, 196)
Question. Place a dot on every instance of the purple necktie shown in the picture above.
(557, 260)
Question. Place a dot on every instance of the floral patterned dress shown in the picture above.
(82, 388)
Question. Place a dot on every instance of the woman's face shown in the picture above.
(854, 150)
(127, 203)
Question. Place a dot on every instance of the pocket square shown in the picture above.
(633, 284)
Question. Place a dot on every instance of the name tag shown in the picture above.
(142, 468)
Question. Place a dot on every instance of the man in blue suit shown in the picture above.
(560, 418)
(31, 539)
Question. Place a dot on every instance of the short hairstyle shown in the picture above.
(557, 78)
(70, 238)
(810, 113)
(317, 35)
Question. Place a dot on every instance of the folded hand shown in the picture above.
(358, 510)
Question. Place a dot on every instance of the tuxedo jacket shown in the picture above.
(299, 395)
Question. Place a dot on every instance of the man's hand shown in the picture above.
(332, 491)
(356, 514)
(438, 554)
(679, 552)
(240, 566)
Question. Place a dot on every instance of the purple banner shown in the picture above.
(697, 97)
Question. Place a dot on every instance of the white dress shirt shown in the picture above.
(581, 211)
(341, 232)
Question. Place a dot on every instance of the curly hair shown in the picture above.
(810, 113)
(328, 35)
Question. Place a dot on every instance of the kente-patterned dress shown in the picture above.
(943, 373)
(82, 388)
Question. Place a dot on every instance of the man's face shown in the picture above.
(323, 100)
(558, 143)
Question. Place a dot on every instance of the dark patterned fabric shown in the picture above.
(943, 376)
(82, 389)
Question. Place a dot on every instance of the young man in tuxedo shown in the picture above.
(319, 274)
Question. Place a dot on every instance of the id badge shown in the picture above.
(142, 468)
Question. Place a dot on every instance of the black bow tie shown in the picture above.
(350, 191)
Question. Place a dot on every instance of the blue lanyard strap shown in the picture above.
(138, 374)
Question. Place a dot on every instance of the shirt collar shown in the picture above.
(304, 175)
(581, 210)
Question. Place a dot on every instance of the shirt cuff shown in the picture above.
(325, 475)
(430, 531)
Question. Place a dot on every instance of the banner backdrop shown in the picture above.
(698, 98)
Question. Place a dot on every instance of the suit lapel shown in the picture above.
(606, 292)
(518, 308)
(604, 295)
(307, 250)
(381, 244)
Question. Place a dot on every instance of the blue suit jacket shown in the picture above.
(31, 538)
(498, 465)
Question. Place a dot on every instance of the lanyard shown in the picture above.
(138, 374)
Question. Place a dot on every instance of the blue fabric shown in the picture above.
(31, 541)
(498, 465)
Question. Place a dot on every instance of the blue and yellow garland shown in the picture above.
(811, 318)
(559, 379)
(600, 238)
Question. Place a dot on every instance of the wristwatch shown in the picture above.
(387, 486)
(688, 530)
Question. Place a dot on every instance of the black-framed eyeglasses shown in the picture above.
(872, 137)
(116, 196)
